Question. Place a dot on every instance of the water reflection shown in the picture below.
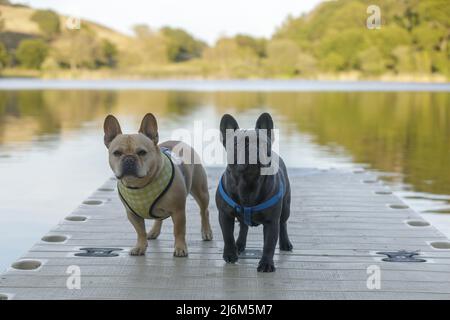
(405, 133)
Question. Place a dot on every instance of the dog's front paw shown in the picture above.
(153, 234)
(287, 246)
(180, 251)
(240, 247)
(138, 251)
(230, 256)
(265, 266)
(207, 234)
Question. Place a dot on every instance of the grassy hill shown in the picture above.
(332, 41)
(17, 20)
(93, 50)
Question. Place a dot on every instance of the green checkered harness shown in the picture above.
(142, 201)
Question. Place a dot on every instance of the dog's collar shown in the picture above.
(248, 211)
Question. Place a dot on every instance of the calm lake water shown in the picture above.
(52, 154)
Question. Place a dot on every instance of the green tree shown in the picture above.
(31, 53)
(282, 57)
(48, 22)
(414, 36)
(2, 22)
(422, 60)
(258, 45)
(404, 59)
(428, 37)
(333, 62)
(409, 18)
(371, 61)
(345, 44)
(440, 63)
(109, 53)
(231, 59)
(150, 48)
(78, 49)
(182, 46)
(4, 56)
(306, 64)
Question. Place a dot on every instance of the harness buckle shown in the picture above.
(248, 216)
(247, 213)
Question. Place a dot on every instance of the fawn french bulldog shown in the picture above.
(154, 181)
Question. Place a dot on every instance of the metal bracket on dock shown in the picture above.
(98, 252)
(401, 256)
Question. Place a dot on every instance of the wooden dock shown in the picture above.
(340, 219)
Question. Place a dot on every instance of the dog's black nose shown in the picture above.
(129, 165)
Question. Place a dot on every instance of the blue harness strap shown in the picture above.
(248, 211)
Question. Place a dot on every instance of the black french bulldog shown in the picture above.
(251, 197)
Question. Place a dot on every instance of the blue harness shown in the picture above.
(248, 211)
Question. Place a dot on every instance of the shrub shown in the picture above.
(283, 57)
(48, 22)
(181, 46)
(109, 53)
(31, 53)
(4, 57)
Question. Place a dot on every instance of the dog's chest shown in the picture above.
(257, 218)
(144, 201)
(160, 213)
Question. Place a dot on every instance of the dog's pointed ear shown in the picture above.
(227, 123)
(111, 127)
(265, 122)
(149, 127)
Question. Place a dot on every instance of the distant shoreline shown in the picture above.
(164, 75)
(280, 85)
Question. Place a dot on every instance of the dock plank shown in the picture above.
(339, 221)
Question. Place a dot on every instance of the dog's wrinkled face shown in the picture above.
(132, 156)
(248, 151)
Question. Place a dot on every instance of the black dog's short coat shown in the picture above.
(244, 183)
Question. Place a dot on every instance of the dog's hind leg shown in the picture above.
(242, 238)
(285, 243)
(199, 191)
(156, 230)
(202, 200)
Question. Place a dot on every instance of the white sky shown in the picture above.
(206, 19)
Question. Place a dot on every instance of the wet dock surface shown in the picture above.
(340, 221)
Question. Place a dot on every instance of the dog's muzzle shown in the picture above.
(129, 166)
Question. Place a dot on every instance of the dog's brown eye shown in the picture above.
(141, 153)
(117, 153)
